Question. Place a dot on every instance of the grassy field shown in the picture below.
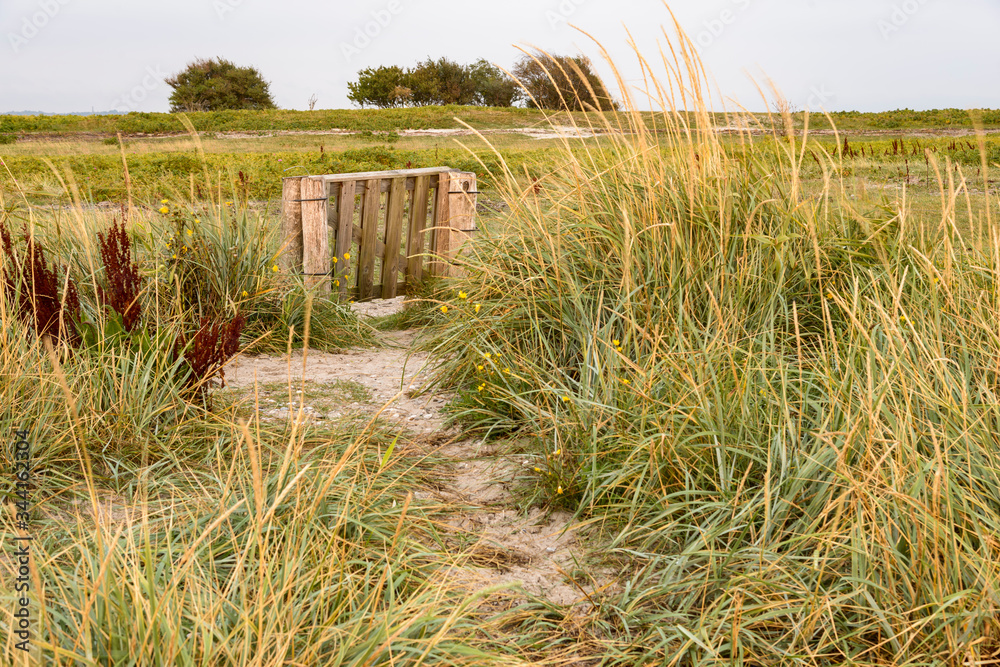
(390, 120)
(760, 371)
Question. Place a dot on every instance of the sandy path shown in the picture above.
(537, 551)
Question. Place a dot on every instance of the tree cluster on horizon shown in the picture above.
(539, 80)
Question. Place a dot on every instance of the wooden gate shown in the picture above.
(353, 234)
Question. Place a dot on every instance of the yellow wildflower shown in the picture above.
(538, 470)
(626, 381)
(565, 399)
(347, 256)
(164, 201)
(336, 283)
(477, 308)
(190, 233)
(462, 295)
(444, 309)
(197, 221)
(275, 268)
(486, 355)
(479, 367)
(557, 452)
(334, 259)
(245, 294)
(164, 210)
(559, 490)
(174, 256)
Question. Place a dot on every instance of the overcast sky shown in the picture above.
(866, 55)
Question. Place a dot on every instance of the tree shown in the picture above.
(439, 82)
(562, 82)
(442, 81)
(493, 87)
(211, 85)
(424, 84)
(383, 87)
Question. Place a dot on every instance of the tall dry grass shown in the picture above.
(777, 408)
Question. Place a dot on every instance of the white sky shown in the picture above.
(866, 55)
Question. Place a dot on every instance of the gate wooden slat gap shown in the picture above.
(314, 208)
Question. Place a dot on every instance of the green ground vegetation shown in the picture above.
(764, 374)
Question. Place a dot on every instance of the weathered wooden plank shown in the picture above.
(384, 185)
(290, 258)
(369, 235)
(345, 235)
(393, 236)
(315, 235)
(415, 235)
(454, 219)
(441, 237)
(462, 217)
(392, 173)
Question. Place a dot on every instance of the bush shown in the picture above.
(213, 85)
(494, 88)
(382, 87)
(442, 82)
(7, 139)
(434, 82)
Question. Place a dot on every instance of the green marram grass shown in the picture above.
(778, 409)
(774, 406)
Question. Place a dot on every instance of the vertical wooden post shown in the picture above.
(393, 236)
(415, 237)
(369, 235)
(454, 217)
(345, 234)
(315, 236)
(290, 255)
(462, 216)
